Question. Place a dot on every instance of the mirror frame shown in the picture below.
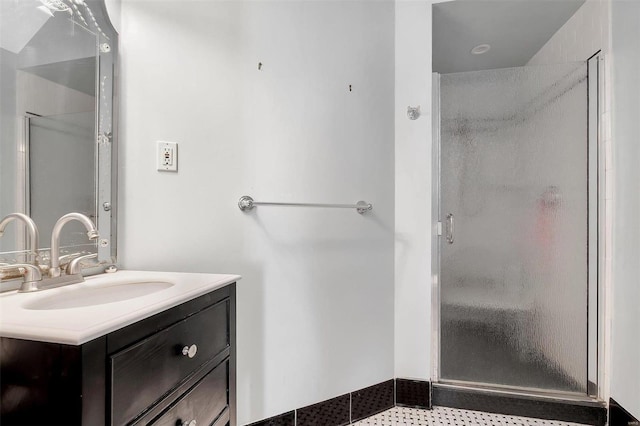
(106, 134)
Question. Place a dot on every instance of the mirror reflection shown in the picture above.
(50, 59)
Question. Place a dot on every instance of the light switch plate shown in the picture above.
(167, 156)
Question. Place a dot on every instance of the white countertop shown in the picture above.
(78, 325)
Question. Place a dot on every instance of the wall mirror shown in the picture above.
(57, 132)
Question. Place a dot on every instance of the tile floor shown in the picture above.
(402, 416)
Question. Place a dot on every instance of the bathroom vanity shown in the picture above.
(126, 348)
(129, 348)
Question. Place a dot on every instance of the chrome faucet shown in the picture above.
(30, 274)
(32, 229)
(74, 267)
(92, 233)
(32, 277)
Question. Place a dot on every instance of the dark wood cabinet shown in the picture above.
(203, 402)
(170, 369)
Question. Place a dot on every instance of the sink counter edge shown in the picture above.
(79, 325)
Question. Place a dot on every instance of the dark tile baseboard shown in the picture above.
(471, 399)
(413, 393)
(333, 412)
(372, 400)
(286, 419)
(340, 410)
(618, 416)
(357, 405)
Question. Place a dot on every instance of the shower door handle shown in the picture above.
(449, 228)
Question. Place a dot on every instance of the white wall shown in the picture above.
(315, 305)
(413, 190)
(625, 348)
(586, 32)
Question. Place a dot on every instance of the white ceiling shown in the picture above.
(515, 29)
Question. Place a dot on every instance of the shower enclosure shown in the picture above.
(517, 293)
(60, 168)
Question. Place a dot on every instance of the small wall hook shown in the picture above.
(413, 112)
(259, 66)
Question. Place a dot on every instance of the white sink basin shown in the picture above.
(78, 313)
(83, 296)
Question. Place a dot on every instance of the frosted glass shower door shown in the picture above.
(514, 182)
(62, 164)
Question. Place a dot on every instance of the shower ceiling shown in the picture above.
(515, 29)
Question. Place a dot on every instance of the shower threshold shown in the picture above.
(569, 407)
(573, 397)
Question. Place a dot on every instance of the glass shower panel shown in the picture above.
(62, 163)
(513, 295)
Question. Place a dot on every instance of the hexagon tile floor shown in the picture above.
(402, 416)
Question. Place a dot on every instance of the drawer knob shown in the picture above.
(190, 351)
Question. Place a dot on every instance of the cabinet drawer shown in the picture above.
(144, 372)
(203, 403)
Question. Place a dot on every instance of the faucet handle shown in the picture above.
(74, 266)
(31, 275)
(65, 259)
(10, 271)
